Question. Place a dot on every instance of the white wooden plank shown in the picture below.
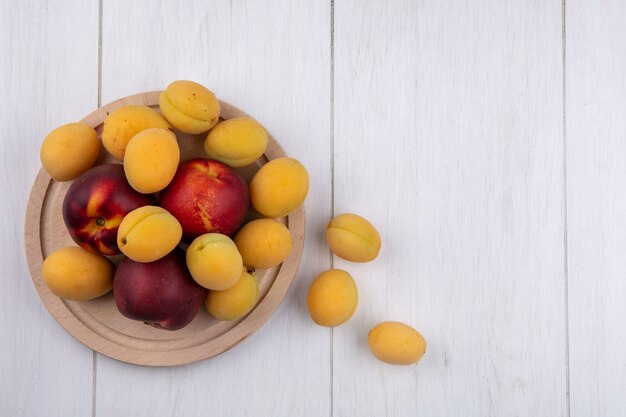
(448, 137)
(48, 77)
(271, 59)
(596, 180)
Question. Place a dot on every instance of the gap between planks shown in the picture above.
(332, 179)
(99, 104)
(565, 217)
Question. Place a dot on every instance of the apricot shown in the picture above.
(236, 301)
(236, 142)
(151, 160)
(70, 150)
(332, 298)
(214, 261)
(148, 233)
(75, 274)
(279, 187)
(263, 243)
(353, 238)
(396, 343)
(189, 107)
(124, 123)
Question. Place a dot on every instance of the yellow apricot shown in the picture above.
(332, 298)
(236, 142)
(263, 243)
(396, 343)
(69, 150)
(279, 187)
(214, 261)
(148, 233)
(151, 160)
(236, 301)
(189, 107)
(353, 238)
(75, 274)
(124, 123)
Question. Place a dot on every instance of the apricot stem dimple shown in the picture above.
(100, 221)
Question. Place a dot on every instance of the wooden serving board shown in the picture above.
(97, 323)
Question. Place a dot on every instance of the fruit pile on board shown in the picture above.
(152, 205)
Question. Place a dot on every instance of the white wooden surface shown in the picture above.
(596, 185)
(234, 49)
(484, 139)
(457, 113)
(48, 76)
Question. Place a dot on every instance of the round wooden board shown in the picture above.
(97, 323)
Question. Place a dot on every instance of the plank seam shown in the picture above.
(332, 178)
(93, 384)
(95, 355)
(99, 53)
(565, 217)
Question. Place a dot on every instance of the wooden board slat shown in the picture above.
(596, 180)
(448, 137)
(271, 59)
(48, 77)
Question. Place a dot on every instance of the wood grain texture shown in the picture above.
(448, 112)
(448, 137)
(596, 180)
(272, 60)
(98, 323)
(48, 77)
